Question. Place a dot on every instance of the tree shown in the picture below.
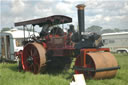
(117, 30)
(5, 29)
(125, 30)
(94, 28)
(107, 31)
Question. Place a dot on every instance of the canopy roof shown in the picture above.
(53, 20)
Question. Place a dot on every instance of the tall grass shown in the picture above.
(9, 75)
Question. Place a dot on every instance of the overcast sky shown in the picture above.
(105, 13)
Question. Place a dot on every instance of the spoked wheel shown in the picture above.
(33, 57)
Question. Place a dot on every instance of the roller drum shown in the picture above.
(33, 57)
(96, 61)
(104, 60)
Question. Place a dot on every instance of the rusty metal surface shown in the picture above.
(103, 60)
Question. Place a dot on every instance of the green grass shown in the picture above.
(9, 75)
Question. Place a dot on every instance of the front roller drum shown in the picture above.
(99, 65)
(33, 57)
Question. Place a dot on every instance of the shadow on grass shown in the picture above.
(8, 65)
(65, 73)
(13, 68)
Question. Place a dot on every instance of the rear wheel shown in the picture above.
(33, 57)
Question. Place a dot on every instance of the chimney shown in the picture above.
(80, 9)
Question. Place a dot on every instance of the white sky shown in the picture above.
(105, 13)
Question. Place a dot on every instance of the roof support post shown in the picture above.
(24, 32)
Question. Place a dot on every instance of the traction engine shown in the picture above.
(55, 49)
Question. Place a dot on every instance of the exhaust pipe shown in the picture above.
(81, 23)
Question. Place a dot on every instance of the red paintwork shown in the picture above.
(44, 44)
(59, 45)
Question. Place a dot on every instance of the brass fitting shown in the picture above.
(81, 6)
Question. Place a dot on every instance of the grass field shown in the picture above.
(9, 75)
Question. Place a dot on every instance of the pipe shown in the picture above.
(80, 9)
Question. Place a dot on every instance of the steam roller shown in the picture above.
(56, 49)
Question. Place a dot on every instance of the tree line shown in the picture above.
(100, 30)
(93, 28)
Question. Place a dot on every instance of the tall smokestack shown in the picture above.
(81, 18)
